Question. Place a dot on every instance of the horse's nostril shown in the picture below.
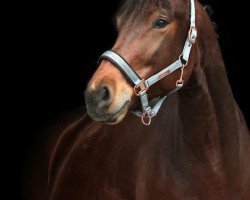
(105, 94)
(96, 99)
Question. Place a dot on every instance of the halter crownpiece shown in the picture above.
(141, 86)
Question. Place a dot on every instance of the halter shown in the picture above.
(141, 85)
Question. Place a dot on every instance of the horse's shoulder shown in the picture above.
(48, 145)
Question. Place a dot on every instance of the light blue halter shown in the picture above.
(141, 85)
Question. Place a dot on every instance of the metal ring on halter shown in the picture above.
(192, 34)
(145, 117)
(142, 88)
(180, 83)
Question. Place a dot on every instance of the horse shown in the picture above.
(196, 146)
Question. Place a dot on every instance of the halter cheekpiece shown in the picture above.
(141, 85)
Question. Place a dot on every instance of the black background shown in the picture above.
(55, 49)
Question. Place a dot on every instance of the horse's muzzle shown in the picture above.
(98, 101)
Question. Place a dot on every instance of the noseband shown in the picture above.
(141, 85)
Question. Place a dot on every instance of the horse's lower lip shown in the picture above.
(121, 111)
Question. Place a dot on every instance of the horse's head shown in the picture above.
(152, 34)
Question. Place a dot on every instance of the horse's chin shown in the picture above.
(119, 115)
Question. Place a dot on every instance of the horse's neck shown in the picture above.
(208, 112)
(200, 129)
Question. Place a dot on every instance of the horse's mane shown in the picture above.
(210, 13)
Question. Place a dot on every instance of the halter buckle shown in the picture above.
(192, 35)
(143, 87)
(180, 82)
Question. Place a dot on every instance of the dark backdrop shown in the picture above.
(56, 48)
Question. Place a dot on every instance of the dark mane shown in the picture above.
(210, 13)
(131, 9)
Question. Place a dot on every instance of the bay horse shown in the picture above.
(197, 145)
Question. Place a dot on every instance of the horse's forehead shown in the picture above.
(137, 8)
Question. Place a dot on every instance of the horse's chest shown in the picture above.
(118, 175)
(121, 169)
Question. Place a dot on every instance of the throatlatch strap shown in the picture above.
(156, 107)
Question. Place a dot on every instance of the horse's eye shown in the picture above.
(160, 23)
